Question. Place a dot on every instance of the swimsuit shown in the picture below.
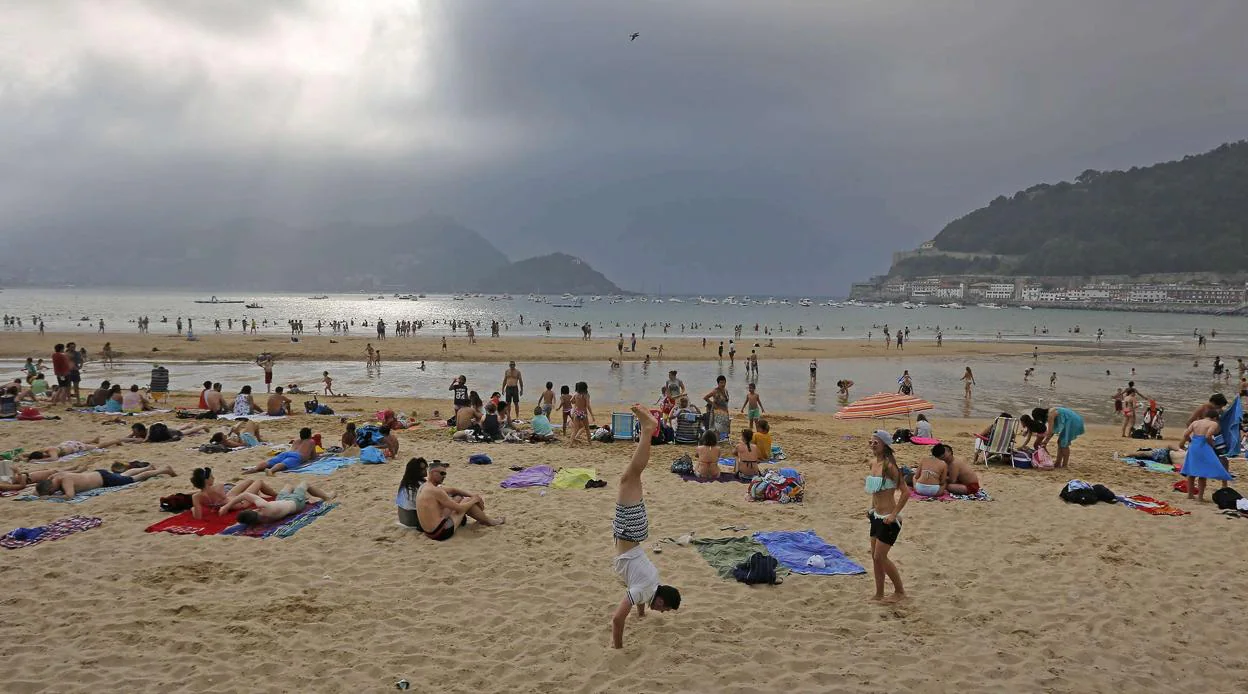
(291, 459)
(299, 495)
(249, 438)
(631, 523)
(927, 489)
(71, 447)
(442, 533)
(112, 479)
(754, 412)
(884, 532)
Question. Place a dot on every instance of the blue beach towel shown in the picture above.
(325, 465)
(80, 496)
(793, 547)
(1230, 422)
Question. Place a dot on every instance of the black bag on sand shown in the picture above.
(1226, 497)
(902, 436)
(176, 503)
(759, 568)
(683, 465)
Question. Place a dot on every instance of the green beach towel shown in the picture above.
(725, 553)
(574, 477)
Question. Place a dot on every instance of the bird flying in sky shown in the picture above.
(633, 36)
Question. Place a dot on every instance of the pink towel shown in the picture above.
(921, 441)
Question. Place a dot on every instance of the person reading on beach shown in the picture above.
(746, 467)
(278, 404)
(161, 432)
(754, 403)
(1062, 422)
(630, 528)
(513, 387)
(212, 494)
(288, 502)
(546, 401)
(71, 483)
(244, 404)
(931, 477)
(302, 450)
(889, 495)
(960, 477)
(1205, 459)
(706, 466)
(439, 510)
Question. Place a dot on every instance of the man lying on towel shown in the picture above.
(439, 510)
(288, 502)
(301, 451)
(70, 483)
(631, 527)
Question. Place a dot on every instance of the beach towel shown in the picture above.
(144, 413)
(723, 477)
(284, 528)
(25, 537)
(80, 454)
(186, 524)
(536, 476)
(325, 465)
(923, 441)
(777, 454)
(1230, 422)
(80, 496)
(980, 495)
(726, 553)
(252, 417)
(1148, 464)
(792, 548)
(1151, 506)
(574, 477)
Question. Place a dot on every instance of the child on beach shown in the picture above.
(1053, 381)
(329, 383)
(565, 404)
(547, 399)
(755, 405)
(582, 411)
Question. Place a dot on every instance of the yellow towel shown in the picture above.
(574, 477)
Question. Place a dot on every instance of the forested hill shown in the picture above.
(1180, 216)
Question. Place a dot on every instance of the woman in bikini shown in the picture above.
(706, 467)
(968, 380)
(582, 411)
(889, 494)
(214, 495)
(717, 406)
(747, 457)
(931, 478)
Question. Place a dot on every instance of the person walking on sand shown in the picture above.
(889, 494)
(754, 403)
(329, 383)
(968, 380)
(631, 527)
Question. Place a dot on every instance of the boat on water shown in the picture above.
(991, 306)
(254, 305)
(317, 298)
(575, 302)
(805, 302)
(215, 300)
(1026, 308)
(658, 301)
(674, 300)
(907, 304)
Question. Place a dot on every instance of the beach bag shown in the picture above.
(479, 459)
(1181, 486)
(1226, 498)
(1042, 460)
(176, 503)
(368, 435)
(1081, 494)
(372, 455)
(1021, 459)
(902, 436)
(683, 465)
(759, 568)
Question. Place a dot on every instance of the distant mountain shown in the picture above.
(432, 253)
(1180, 216)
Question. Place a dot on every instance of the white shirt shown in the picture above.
(639, 574)
(923, 430)
(403, 501)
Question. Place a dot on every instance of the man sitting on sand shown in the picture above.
(214, 401)
(289, 501)
(302, 450)
(961, 479)
(278, 404)
(438, 514)
(631, 527)
(70, 483)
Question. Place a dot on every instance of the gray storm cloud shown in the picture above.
(839, 131)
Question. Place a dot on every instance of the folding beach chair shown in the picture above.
(688, 427)
(624, 426)
(999, 448)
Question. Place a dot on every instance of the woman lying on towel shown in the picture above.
(214, 495)
(53, 453)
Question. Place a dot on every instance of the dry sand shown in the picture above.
(1021, 594)
(236, 346)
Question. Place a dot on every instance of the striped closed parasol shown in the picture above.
(883, 405)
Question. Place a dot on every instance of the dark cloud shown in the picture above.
(837, 131)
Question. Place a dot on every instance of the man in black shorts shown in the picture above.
(70, 483)
(75, 369)
(513, 388)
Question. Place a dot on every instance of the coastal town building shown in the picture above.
(1054, 291)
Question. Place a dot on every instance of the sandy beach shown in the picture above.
(1023, 593)
(236, 346)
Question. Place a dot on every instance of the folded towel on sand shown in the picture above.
(725, 553)
(1150, 465)
(792, 548)
(536, 476)
(80, 496)
(25, 537)
(284, 528)
(325, 465)
(980, 495)
(723, 477)
(574, 477)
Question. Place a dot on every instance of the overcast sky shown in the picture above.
(862, 126)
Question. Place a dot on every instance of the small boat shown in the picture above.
(215, 300)
(805, 302)
(574, 303)
(1026, 308)
(254, 305)
(674, 300)
(318, 298)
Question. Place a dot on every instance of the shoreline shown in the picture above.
(134, 347)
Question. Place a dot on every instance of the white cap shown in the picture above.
(816, 561)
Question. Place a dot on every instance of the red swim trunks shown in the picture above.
(268, 377)
(972, 488)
